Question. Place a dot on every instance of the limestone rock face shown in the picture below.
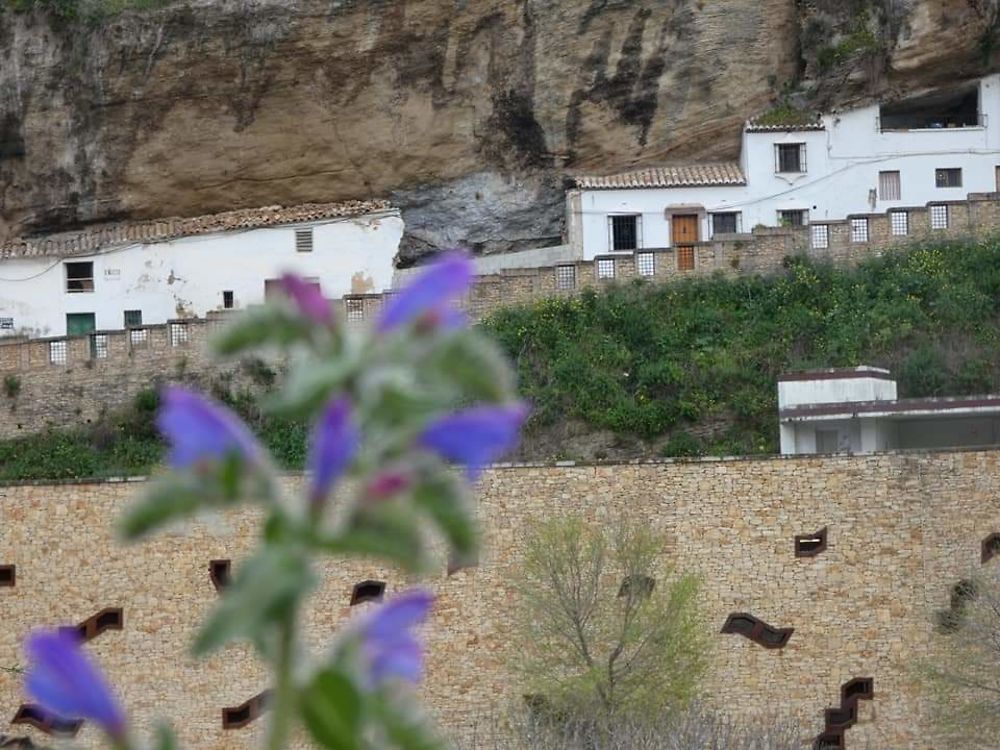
(468, 113)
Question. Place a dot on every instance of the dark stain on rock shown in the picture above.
(11, 137)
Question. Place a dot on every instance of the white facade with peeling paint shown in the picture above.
(189, 276)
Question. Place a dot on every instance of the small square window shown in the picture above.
(624, 232)
(355, 309)
(57, 352)
(859, 230)
(821, 236)
(606, 268)
(939, 217)
(725, 223)
(304, 240)
(900, 222)
(178, 334)
(790, 157)
(645, 263)
(99, 346)
(8, 575)
(138, 338)
(367, 591)
(796, 217)
(948, 178)
(889, 188)
(80, 277)
(133, 318)
(227, 300)
(565, 277)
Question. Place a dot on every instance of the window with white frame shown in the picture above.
(820, 236)
(889, 186)
(57, 352)
(354, 309)
(565, 277)
(624, 232)
(178, 334)
(645, 263)
(797, 217)
(304, 240)
(939, 217)
(606, 268)
(859, 230)
(789, 158)
(899, 221)
(725, 222)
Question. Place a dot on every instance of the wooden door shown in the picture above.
(684, 233)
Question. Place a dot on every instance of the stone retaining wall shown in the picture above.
(902, 530)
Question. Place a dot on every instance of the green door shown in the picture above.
(77, 324)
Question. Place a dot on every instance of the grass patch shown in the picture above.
(653, 361)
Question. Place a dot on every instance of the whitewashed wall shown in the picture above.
(842, 161)
(186, 277)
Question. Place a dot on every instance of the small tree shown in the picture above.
(607, 632)
(965, 674)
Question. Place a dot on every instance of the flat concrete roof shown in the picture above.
(944, 406)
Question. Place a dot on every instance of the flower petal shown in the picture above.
(390, 649)
(307, 298)
(334, 443)
(66, 683)
(200, 429)
(475, 437)
(444, 280)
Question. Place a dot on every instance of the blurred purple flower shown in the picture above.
(475, 437)
(334, 443)
(387, 484)
(391, 651)
(66, 683)
(430, 292)
(199, 429)
(307, 298)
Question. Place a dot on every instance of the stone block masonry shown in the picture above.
(70, 380)
(902, 529)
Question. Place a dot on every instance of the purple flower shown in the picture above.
(387, 484)
(390, 649)
(334, 443)
(444, 280)
(308, 299)
(66, 683)
(199, 429)
(475, 437)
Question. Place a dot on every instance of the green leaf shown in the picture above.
(331, 707)
(270, 324)
(405, 724)
(389, 531)
(267, 587)
(164, 739)
(166, 500)
(308, 387)
(444, 499)
(477, 366)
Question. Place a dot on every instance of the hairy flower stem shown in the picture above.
(284, 686)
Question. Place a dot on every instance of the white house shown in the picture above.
(936, 147)
(857, 411)
(144, 273)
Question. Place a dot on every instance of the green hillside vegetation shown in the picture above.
(681, 369)
(689, 368)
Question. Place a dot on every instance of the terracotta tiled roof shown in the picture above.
(814, 123)
(694, 175)
(97, 237)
